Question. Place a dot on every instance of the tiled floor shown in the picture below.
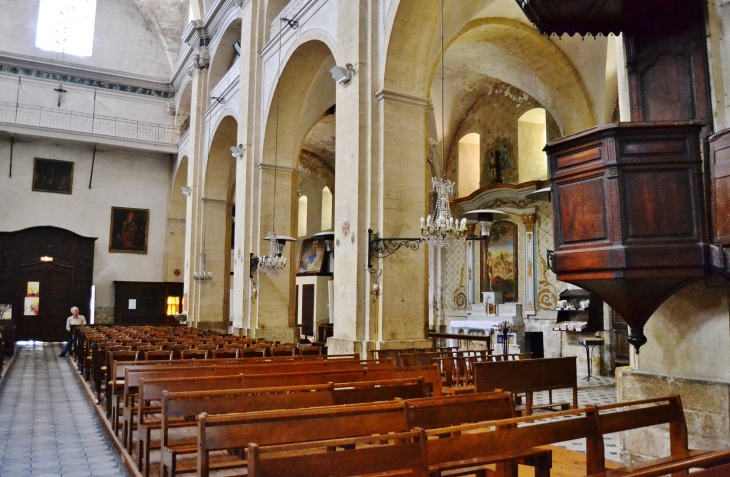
(47, 427)
(598, 392)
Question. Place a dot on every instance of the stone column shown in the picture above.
(243, 289)
(198, 70)
(381, 183)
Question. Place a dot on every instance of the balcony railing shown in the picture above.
(52, 118)
(231, 75)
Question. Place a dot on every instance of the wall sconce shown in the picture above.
(46, 259)
(342, 75)
(237, 151)
(187, 190)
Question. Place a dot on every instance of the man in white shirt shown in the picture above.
(74, 320)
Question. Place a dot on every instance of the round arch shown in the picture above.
(223, 56)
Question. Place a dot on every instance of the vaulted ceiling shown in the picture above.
(167, 19)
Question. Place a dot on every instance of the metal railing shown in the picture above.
(53, 118)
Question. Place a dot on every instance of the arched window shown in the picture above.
(326, 208)
(531, 139)
(302, 226)
(468, 164)
(66, 26)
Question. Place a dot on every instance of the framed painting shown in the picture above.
(311, 257)
(51, 175)
(128, 230)
(501, 262)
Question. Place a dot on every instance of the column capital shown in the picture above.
(406, 98)
(270, 167)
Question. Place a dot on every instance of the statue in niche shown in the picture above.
(499, 165)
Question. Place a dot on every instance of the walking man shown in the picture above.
(74, 320)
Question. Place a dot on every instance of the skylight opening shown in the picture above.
(66, 26)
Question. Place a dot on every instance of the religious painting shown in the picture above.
(499, 165)
(33, 289)
(6, 312)
(50, 175)
(128, 230)
(311, 258)
(31, 306)
(501, 263)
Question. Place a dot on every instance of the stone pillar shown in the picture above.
(380, 178)
(198, 70)
(241, 308)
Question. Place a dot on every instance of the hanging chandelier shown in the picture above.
(274, 263)
(442, 230)
(203, 277)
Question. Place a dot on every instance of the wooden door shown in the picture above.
(308, 309)
(54, 298)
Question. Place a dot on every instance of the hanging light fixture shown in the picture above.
(203, 277)
(442, 230)
(274, 263)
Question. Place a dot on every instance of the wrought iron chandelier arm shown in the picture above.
(384, 247)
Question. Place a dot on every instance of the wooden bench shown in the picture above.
(180, 404)
(133, 377)
(653, 412)
(529, 376)
(404, 454)
(237, 431)
(473, 445)
(176, 405)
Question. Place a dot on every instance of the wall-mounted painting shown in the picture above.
(33, 289)
(312, 256)
(501, 270)
(6, 312)
(128, 230)
(31, 306)
(50, 175)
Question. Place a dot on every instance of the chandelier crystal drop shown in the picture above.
(442, 230)
(203, 277)
(274, 263)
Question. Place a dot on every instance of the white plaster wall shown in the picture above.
(123, 40)
(122, 178)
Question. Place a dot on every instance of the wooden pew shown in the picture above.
(404, 452)
(134, 375)
(176, 405)
(235, 431)
(528, 376)
(179, 404)
(653, 412)
(373, 391)
(472, 445)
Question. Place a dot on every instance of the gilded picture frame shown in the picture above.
(129, 230)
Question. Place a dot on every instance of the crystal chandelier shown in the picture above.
(442, 230)
(203, 277)
(274, 263)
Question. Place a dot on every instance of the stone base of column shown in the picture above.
(276, 333)
(236, 331)
(364, 348)
(706, 410)
(212, 325)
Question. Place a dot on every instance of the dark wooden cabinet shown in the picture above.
(144, 303)
(65, 279)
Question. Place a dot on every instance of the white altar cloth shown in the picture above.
(473, 325)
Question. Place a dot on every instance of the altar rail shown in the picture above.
(54, 118)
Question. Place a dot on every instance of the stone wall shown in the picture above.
(706, 409)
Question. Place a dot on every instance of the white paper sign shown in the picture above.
(132, 303)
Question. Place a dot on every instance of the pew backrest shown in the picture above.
(373, 391)
(431, 413)
(406, 453)
(527, 375)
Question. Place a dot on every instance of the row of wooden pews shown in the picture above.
(342, 416)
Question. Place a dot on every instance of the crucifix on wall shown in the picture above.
(60, 92)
